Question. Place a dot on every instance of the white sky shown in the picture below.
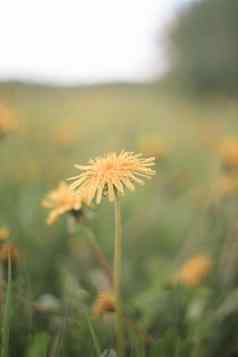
(83, 40)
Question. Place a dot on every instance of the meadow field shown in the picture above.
(180, 250)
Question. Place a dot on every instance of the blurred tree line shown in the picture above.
(204, 45)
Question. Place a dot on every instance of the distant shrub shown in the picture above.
(204, 46)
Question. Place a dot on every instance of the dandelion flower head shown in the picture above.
(111, 174)
(229, 151)
(195, 271)
(105, 302)
(7, 121)
(227, 184)
(7, 251)
(60, 201)
(4, 233)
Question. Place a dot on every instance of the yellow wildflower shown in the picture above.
(111, 174)
(9, 250)
(105, 302)
(60, 201)
(227, 184)
(4, 233)
(229, 152)
(7, 121)
(194, 272)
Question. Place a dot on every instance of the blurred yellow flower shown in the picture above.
(105, 302)
(111, 174)
(9, 250)
(195, 271)
(229, 152)
(7, 121)
(4, 233)
(227, 184)
(60, 201)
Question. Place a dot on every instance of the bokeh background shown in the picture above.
(80, 79)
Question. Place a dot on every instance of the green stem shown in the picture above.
(101, 258)
(6, 311)
(117, 279)
(93, 335)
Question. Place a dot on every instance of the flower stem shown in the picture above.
(101, 258)
(117, 279)
(7, 311)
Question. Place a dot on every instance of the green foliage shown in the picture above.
(204, 45)
(39, 345)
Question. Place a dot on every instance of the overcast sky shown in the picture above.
(83, 40)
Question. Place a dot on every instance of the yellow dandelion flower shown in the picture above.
(229, 152)
(111, 174)
(227, 184)
(105, 302)
(60, 201)
(7, 121)
(9, 250)
(4, 233)
(195, 271)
